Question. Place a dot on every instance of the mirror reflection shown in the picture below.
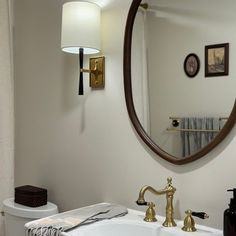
(167, 101)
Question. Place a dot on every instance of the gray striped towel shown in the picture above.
(64, 222)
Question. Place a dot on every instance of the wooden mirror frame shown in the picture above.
(131, 110)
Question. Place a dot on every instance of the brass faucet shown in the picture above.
(169, 190)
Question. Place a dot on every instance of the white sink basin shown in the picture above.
(116, 229)
(132, 224)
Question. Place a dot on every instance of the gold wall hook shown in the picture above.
(144, 5)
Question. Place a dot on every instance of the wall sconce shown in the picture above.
(80, 34)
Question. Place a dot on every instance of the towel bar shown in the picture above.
(193, 130)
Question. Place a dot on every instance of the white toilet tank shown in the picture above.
(17, 215)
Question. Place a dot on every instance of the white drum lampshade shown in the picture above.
(80, 27)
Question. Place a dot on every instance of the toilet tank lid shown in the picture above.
(15, 209)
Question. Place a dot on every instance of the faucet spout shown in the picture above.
(141, 200)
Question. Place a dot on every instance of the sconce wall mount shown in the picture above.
(96, 72)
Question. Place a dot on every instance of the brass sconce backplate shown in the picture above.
(97, 72)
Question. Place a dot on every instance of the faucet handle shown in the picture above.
(201, 215)
(170, 187)
(169, 181)
(150, 213)
(189, 224)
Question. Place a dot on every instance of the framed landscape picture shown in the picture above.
(217, 60)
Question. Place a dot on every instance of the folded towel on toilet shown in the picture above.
(64, 222)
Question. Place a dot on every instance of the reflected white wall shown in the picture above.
(176, 29)
(139, 70)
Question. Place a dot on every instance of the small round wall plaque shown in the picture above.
(191, 65)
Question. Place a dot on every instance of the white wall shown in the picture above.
(6, 107)
(176, 29)
(84, 149)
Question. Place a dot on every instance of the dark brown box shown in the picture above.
(31, 196)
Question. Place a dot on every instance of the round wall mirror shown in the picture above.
(180, 117)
